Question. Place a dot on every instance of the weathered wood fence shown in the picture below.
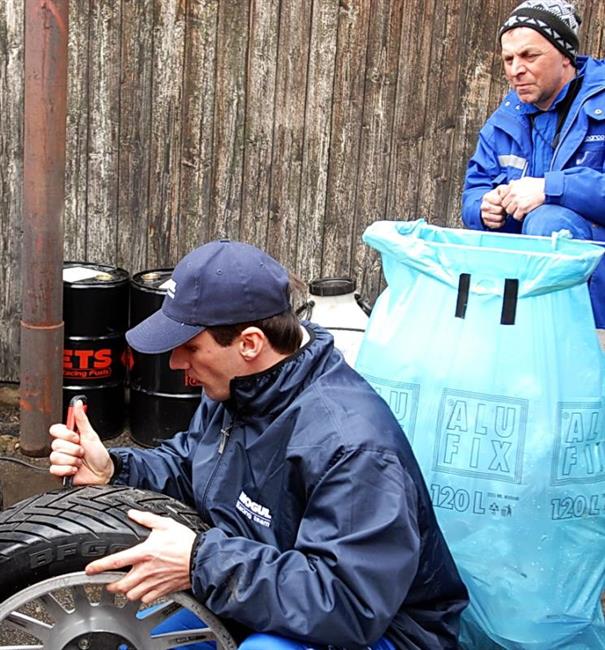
(291, 124)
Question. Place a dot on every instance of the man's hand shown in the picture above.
(160, 564)
(523, 196)
(80, 454)
(493, 213)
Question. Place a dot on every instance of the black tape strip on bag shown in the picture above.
(509, 302)
(464, 283)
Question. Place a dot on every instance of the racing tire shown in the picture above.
(58, 533)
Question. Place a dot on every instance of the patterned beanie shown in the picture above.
(556, 20)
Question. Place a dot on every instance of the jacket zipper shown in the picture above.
(224, 433)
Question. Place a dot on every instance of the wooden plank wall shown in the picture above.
(291, 124)
(11, 182)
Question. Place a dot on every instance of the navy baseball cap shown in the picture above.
(221, 283)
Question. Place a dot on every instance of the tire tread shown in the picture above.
(82, 515)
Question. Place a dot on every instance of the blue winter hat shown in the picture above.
(221, 283)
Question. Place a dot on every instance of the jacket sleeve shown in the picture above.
(483, 174)
(164, 469)
(167, 468)
(581, 189)
(355, 557)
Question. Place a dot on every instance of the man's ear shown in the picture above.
(252, 342)
(567, 62)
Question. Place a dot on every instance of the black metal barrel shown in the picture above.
(162, 401)
(95, 311)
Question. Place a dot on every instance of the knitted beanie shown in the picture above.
(556, 20)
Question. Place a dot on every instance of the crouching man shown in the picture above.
(322, 531)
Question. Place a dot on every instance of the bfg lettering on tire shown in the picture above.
(87, 549)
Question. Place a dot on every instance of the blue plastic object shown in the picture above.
(484, 347)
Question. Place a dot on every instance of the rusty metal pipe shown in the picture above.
(41, 378)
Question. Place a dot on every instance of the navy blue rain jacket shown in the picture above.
(323, 527)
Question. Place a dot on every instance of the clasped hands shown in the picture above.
(518, 198)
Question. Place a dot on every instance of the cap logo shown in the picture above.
(171, 288)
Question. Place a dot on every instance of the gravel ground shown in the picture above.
(9, 411)
(22, 476)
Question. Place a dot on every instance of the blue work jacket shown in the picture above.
(323, 529)
(576, 178)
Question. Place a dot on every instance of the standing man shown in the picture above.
(322, 527)
(539, 166)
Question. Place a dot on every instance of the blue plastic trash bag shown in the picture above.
(484, 346)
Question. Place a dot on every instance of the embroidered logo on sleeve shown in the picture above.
(253, 511)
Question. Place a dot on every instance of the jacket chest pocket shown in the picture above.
(592, 150)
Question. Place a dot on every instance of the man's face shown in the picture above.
(209, 364)
(534, 67)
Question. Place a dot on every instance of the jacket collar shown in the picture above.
(261, 394)
(512, 118)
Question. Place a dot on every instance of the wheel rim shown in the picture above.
(74, 611)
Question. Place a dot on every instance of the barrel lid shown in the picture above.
(86, 274)
(152, 279)
(332, 286)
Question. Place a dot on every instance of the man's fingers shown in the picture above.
(491, 202)
(61, 432)
(513, 208)
(72, 448)
(82, 421)
(154, 594)
(492, 224)
(118, 560)
(65, 459)
(148, 519)
(495, 196)
(63, 470)
(144, 590)
(155, 591)
(128, 582)
(493, 219)
(59, 458)
(490, 208)
(507, 200)
(153, 588)
(502, 190)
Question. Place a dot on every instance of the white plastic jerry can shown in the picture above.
(335, 305)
